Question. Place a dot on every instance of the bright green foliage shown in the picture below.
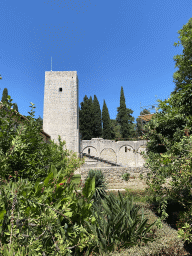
(119, 223)
(44, 214)
(183, 61)
(36, 154)
(48, 213)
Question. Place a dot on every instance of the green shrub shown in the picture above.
(40, 217)
(126, 176)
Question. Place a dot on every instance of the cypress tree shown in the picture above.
(106, 122)
(5, 100)
(124, 118)
(115, 129)
(4, 96)
(85, 119)
(97, 126)
(131, 125)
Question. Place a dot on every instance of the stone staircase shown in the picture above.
(93, 161)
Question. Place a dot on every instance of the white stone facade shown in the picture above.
(60, 113)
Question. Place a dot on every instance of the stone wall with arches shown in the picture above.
(120, 152)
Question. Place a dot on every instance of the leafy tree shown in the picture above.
(124, 117)
(168, 152)
(106, 122)
(183, 62)
(22, 159)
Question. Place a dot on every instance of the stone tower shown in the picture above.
(60, 113)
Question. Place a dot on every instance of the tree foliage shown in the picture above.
(168, 152)
(85, 118)
(183, 61)
(97, 124)
(124, 118)
(4, 96)
(140, 123)
(106, 122)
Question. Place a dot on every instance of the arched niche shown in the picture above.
(108, 154)
(126, 156)
(90, 150)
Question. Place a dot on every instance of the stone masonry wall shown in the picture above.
(114, 180)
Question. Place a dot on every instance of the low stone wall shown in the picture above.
(113, 176)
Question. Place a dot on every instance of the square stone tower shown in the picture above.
(61, 113)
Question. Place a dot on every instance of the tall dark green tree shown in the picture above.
(86, 118)
(115, 127)
(4, 99)
(124, 118)
(106, 122)
(4, 96)
(131, 125)
(97, 125)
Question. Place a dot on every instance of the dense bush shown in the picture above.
(48, 217)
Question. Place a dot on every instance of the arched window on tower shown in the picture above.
(125, 149)
(89, 151)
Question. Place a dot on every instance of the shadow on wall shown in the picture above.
(123, 153)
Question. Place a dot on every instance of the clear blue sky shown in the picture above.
(109, 43)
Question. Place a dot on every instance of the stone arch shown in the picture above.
(109, 154)
(91, 149)
(126, 157)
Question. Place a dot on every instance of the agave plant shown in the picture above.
(119, 224)
(100, 185)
